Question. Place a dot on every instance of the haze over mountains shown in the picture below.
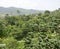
(14, 11)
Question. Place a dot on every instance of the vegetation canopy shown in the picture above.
(34, 31)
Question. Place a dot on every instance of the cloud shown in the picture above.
(32, 4)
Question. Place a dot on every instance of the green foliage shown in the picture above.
(40, 31)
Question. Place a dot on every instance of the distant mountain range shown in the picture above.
(17, 11)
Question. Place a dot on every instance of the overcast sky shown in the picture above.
(32, 4)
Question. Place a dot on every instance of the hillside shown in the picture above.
(41, 31)
(14, 11)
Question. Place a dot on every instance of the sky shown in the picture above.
(32, 4)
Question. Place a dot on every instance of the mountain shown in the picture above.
(17, 11)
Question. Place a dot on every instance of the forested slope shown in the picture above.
(40, 31)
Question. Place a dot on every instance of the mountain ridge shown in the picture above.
(17, 11)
